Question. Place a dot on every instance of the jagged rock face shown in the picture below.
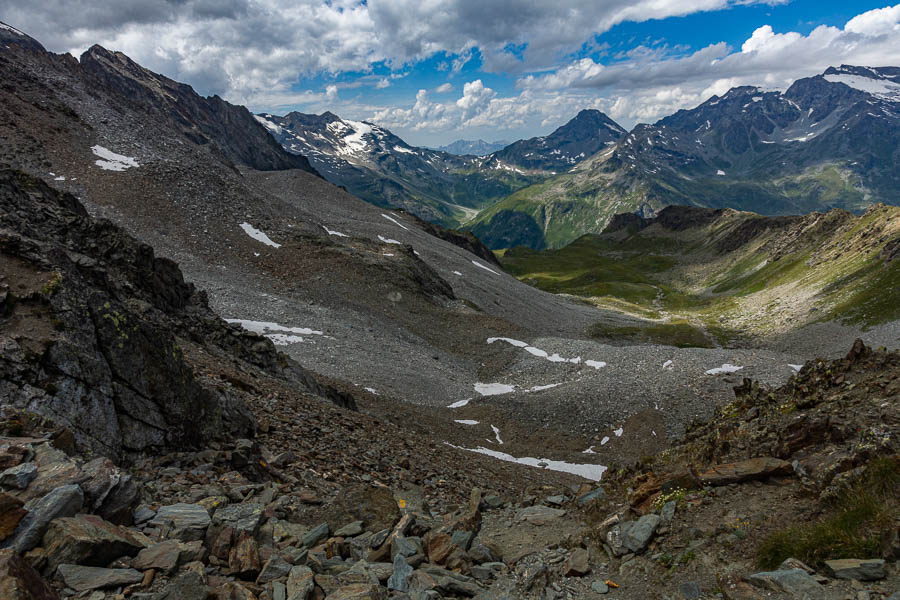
(87, 330)
(588, 133)
(203, 120)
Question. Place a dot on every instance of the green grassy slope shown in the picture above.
(701, 277)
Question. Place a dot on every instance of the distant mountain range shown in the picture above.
(829, 141)
(473, 147)
(379, 167)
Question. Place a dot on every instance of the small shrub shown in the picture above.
(852, 529)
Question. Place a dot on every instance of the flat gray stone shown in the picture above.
(82, 579)
(19, 476)
(64, 501)
(182, 516)
(632, 536)
(599, 587)
(791, 581)
(399, 579)
(275, 568)
(350, 530)
(315, 535)
(539, 514)
(241, 518)
(854, 568)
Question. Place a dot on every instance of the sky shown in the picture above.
(434, 71)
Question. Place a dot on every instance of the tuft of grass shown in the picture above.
(853, 527)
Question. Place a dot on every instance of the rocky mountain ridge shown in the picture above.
(828, 141)
(380, 168)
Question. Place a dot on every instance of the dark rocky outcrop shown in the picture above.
(92, 327)
(232, 129)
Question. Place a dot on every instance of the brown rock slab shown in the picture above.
(86, 540)
(746, 470)
(11, 512)
(577, 564)
(162, 557)
(19, 581)
(244, 557)
(82, 579)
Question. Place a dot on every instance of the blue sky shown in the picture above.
(503, 69)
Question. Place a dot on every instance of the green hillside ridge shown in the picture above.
(702, 277)
(584, 201)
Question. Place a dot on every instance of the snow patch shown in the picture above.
(541, 388)
(59, 178)
(604, 441)
(403, 150)
(395, 221)
(618, 432)
(494, 389)
(457, 273)
(258, 235)
(273, 127)
(881, 88)
(726, 368)
(796, 368)
(459, 403)
(389, 240)
(497, 434)
(465, 421)
(516, 343)
(597, 364)
(588, 471)
(332, 232)
(371, 391)
(481, 266)
(668, 365)
(275, 332)
(110, 161)
(720, 172)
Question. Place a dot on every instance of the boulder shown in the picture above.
(577, 564)
(350, 530)
(187, 586)
(101, 476)
(632, 536)
(790, 581)
(86, 540)
(61, 502)
(163, 557)
(82, 579)
(19, 477)
(315, 535)
(300, 583)
(19, 581)
(12, 454)
(52, 475)
(11, 513)
(233, 590)
(244, 557)
(854, 568)
(399, 579)
(241, 518)
(120, 502)
(275, 568)
(188, 522)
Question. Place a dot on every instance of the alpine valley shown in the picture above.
(258, 357)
